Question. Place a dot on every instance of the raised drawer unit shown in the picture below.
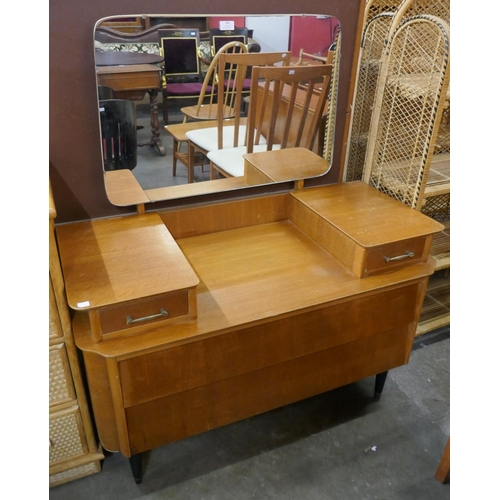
(328, 216)
(131, 276)
(73, 451)
(288, 295)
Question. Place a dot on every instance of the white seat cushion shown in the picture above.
(231, 160)
(206, 138)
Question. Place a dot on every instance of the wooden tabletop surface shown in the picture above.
(111, 58)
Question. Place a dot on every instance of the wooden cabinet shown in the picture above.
(295, 294)
(73, 451)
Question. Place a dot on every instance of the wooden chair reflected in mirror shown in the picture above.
(231, 68)
(205, 109)
(286, 108)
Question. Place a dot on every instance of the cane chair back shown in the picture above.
(411, 96)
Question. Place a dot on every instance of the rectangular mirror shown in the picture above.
(136, 85)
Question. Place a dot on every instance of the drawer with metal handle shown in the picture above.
(133, 317)
(386, 258)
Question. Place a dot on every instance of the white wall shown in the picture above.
(271, 32)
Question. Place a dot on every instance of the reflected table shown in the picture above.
(131, 75)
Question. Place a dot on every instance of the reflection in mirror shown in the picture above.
(143, 88)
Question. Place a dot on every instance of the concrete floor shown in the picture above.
(153, 170)
(340, 445)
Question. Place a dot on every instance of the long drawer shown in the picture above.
(169, 371)
(177, 416)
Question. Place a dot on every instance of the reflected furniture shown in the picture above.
(118, 133)
(73, 450)
(219, 38)
(201, 111)
(275, 114)
(192, 318)
(204, 110)
(229, 103)
(148, 42)
(133, 81)
(182, 77)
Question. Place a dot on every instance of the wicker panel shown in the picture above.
(375, 7)
(75, 473)
(61, 388)
(329, 139)
(372, 46)
(440, 247)
(438, 8)
(443, 139)
(66, 435)
(409, 103)
(438, 207)
(437, 299)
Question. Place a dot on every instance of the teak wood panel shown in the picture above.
(272, 303)
(370, 218)
(203, 408)
(131, 77)
(218, 217)
(102, 400)
(109, 261)
(165, 372)
(283, 165)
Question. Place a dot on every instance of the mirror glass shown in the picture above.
(137, 151)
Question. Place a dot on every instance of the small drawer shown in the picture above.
(396, 255)
(127, 318)
(61, 388)
(66, 435)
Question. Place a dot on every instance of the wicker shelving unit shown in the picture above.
(399, 136)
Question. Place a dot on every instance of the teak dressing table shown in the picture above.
(193, 318)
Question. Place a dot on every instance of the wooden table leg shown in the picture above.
(443, 470)
(155, 124)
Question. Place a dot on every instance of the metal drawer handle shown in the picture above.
(400, 257)
(146, 318)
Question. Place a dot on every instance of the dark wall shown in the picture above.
(75, 162)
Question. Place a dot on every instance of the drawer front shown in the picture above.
(61, 389)
(136, 314)
(66, 434)
(168, 371)
(388, 258)
(181, 415)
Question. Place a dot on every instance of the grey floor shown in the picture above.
(340, 445)
(154, 170)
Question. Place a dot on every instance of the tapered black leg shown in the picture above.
(136, 466)
(379, 385)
